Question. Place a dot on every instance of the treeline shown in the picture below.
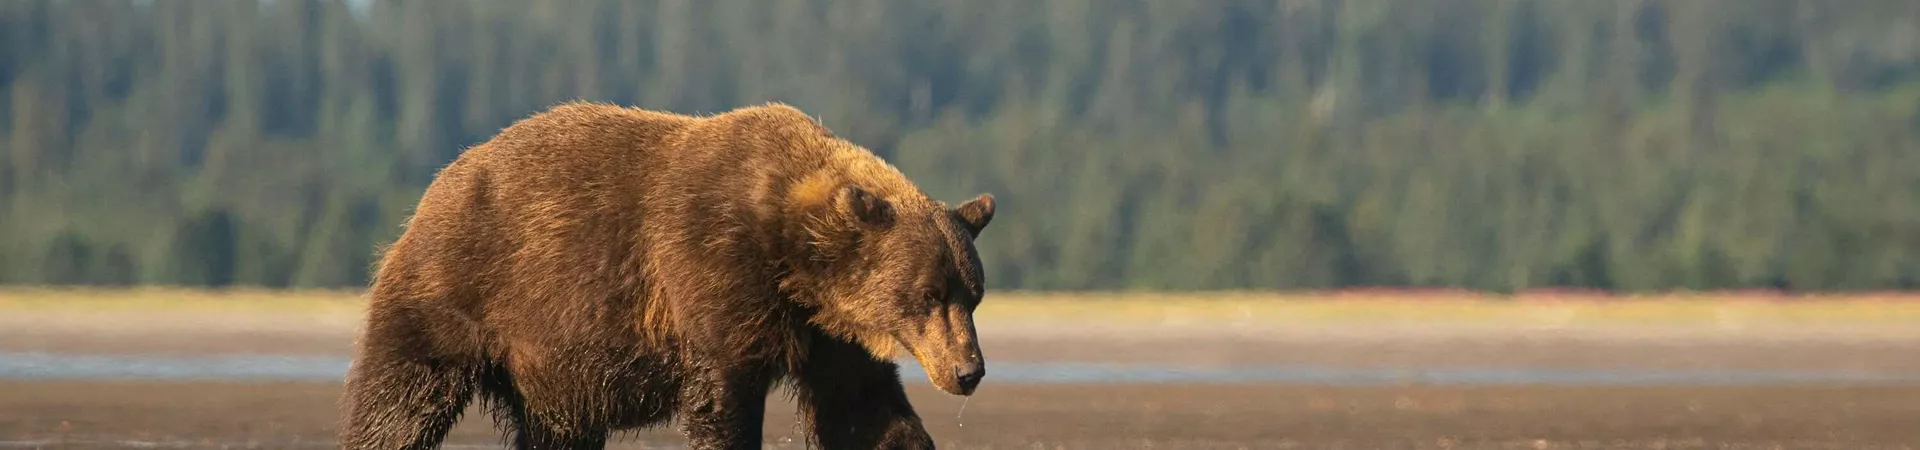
(1194, 144)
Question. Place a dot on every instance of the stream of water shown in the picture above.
(37, 365)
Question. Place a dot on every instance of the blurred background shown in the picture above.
(1348, 166)
(1491, 144)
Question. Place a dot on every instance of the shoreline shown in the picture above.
(1866, 334)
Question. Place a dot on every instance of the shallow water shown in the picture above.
(39, 365)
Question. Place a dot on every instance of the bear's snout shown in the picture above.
(949, 351)
(969, 374)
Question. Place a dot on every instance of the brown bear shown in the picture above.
(596, 268)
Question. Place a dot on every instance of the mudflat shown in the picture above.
(1716, 406)
(146, 414)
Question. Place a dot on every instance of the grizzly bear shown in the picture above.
(595, 268)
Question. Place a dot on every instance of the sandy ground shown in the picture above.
(235, 415)
(1864, 349)
(215, 414)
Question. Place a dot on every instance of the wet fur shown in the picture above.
(595, 268)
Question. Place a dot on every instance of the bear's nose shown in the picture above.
(969, 374)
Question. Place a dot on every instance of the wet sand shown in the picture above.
(1022, 414)
(61, 414)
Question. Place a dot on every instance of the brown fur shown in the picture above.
(595, 268)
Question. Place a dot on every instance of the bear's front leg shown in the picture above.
(849, 399)
(724, 409)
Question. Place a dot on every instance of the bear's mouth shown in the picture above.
(939, 373)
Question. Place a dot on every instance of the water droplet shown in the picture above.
(963, 410)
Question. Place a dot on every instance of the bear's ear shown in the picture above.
(976, 213)
(864, 207)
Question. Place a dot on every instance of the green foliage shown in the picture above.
(1496, 144)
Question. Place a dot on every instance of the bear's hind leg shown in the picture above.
(395, 402)
(411, 378)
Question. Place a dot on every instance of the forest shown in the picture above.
(1624, 145)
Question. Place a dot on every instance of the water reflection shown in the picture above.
(39, 365)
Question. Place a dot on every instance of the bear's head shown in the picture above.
(903, 274)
